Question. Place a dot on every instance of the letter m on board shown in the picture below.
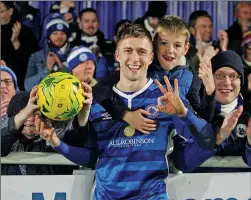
(40, 196)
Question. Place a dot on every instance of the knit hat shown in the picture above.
(228, 59)
(246, 41)
(13, 75)
(17, 103)
(156, 9)
(79, 55)
(57, 24)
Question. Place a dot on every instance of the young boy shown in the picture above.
(132, 165)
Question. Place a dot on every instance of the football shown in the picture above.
(60, 96)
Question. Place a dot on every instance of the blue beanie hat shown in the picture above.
(57, 24)
(79, 55)
(13, 75)
(228, 59)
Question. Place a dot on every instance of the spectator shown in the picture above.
(17, 41)
(228, 73)
(156, 10)
(9, 87)
(67, 10)
(53, 57)
(89, 34)
(201, 29)
(81, 63)
(242, 13)
(91, 37)
(21, 136)
(30, 17)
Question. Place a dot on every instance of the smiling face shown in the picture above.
(170, 48)
(204, 27)
(134, 55)
(58, 38)
(227, 90)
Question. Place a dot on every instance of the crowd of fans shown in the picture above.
(213, 76)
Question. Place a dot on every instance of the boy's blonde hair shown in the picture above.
(173, 25)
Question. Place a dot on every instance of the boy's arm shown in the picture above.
(104, 95)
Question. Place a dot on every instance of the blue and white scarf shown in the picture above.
(223, 110)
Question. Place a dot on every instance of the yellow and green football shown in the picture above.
(60, 96)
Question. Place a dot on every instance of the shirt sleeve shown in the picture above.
(188, 154)
(202, 131)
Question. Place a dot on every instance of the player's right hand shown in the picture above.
(48, 134)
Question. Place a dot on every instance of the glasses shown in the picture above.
(222, 76)
(7, 81)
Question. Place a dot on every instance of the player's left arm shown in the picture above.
(187, 155)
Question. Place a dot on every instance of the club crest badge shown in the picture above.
(241, 130)
(60, 27)
(129, 131)
(153, 109)
(83, 57)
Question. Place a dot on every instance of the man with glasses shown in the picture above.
(9, 87)
(228, 74)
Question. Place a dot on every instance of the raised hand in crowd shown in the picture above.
(53, 62)
(16, 29)
(199, 44)
(87, 102)
(223, 38)
(170, 102)
(137, 120)
(206, 75)
(208, 54)
(228, 125)
(30, 109)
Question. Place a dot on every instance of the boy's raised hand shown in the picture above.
(173, 105)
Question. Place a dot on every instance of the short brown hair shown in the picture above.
(171, 24)
(133, 30)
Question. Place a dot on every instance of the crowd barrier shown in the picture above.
(210, 186)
